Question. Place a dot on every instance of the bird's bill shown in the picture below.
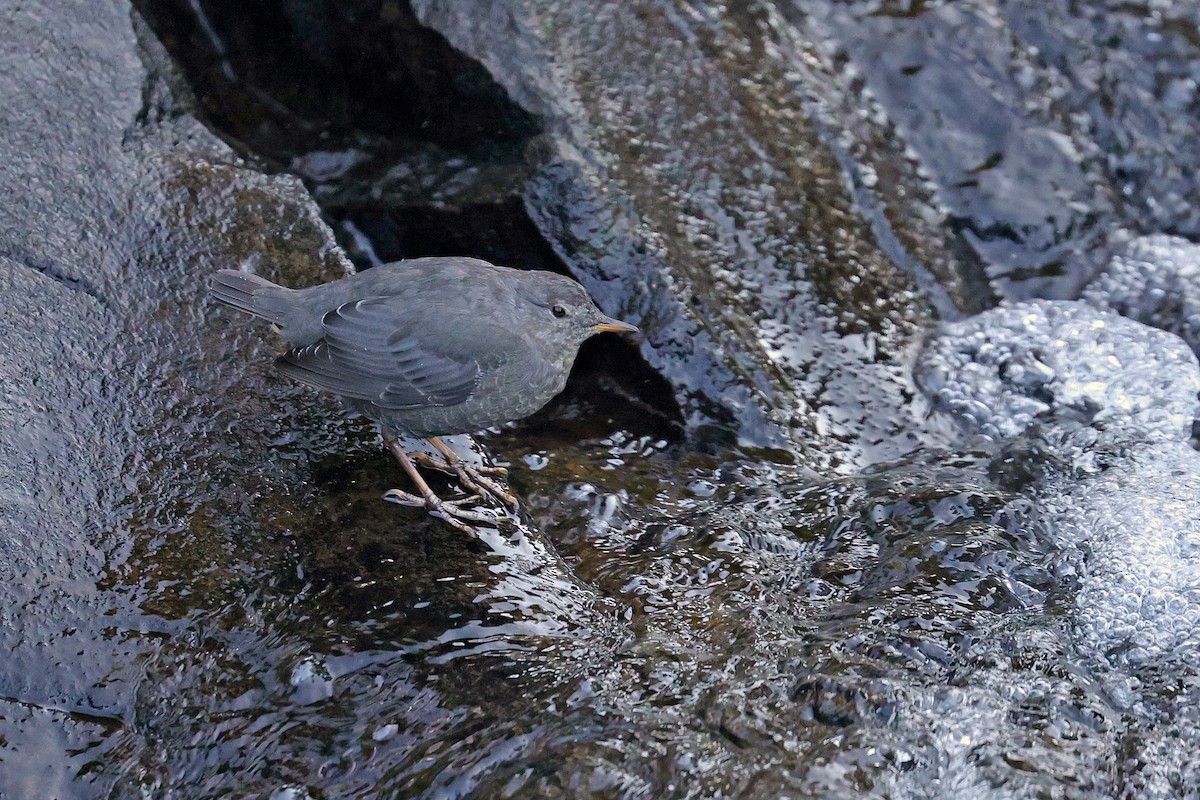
(610, 325)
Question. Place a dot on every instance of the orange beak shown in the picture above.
(610, 325)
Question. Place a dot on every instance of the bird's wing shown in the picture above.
(369, 354)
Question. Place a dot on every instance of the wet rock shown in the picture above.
(1111, 403)
(1153, 280)
(1061, 363)
(117, 203)
(1126, 78)
(1031, 131)
(1097, 411)
(1133, 530)
(964, 103)
(716, 219)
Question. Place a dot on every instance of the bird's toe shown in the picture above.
(404, 498)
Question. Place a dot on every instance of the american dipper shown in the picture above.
(430, 347)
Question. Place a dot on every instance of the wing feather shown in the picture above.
(367, 354)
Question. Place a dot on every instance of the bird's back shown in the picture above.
(422, 286)
(448, 337)
(426, 346)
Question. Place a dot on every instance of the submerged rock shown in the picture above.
(1156, 281)
(1095, 412)
(1062, 364)
(1133, 532)
(1112, 402)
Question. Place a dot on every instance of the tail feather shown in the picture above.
(243, 291)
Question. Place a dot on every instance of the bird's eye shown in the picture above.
(559, 311)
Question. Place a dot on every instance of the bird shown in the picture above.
(430, 347)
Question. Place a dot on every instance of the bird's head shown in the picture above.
(563, 306)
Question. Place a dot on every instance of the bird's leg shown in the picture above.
(472, 478)
(448, 510)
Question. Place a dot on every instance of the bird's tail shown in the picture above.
(251, 293)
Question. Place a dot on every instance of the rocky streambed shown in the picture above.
(896, 497)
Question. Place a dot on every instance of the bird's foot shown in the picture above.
(473, 478)
(450, 511)
(445, 465)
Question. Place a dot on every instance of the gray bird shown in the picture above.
(430, 347)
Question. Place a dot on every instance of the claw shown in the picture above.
(450, 511)
(445, 509)
(432, 462)
(468, 500)
(477, 483)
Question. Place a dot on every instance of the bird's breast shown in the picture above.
(506, 392)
